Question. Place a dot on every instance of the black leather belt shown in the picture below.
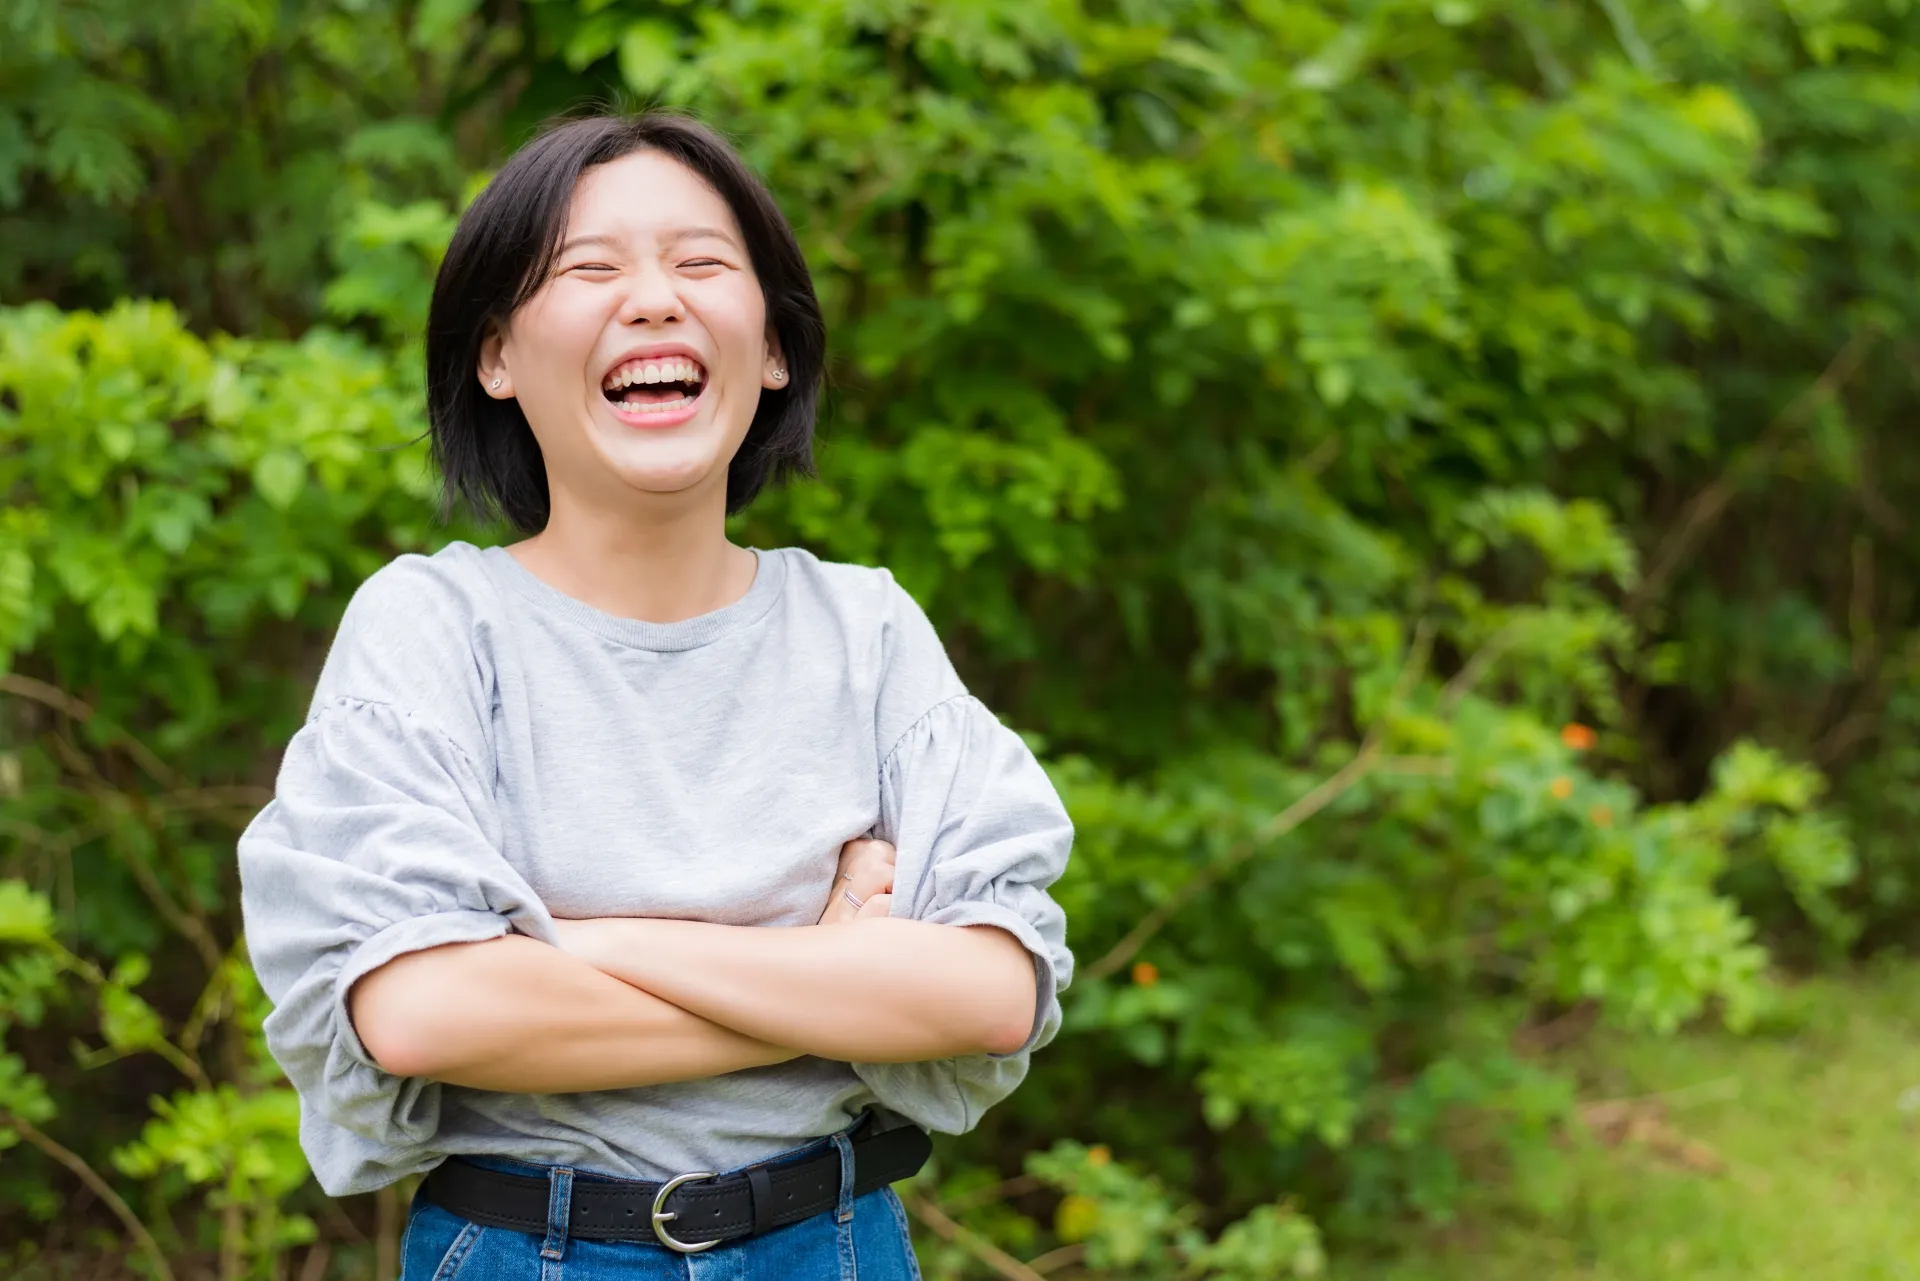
(703, 1209)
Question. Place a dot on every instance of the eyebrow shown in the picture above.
(670, 238)
(581, 242)
(699, 233)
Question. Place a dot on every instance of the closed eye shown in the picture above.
(703, 262)
(592, 266)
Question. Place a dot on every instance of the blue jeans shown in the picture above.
(864, 1239)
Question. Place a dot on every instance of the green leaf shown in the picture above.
(127, 1022)
(22, 1094)
(25, 916)
(16, 600)
(279, 477)
(649, 53)
(124, 604)
(593, 39)
(437, 22)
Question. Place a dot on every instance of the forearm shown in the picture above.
(882, 991)
(516, 1015)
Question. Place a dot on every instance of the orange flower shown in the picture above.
(1580, 738)
(1561, 788)
(1601, 815)
(1145, 974)
(1098, 1154)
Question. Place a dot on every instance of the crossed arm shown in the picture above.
(624, 1002)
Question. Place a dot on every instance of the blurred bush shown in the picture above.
(1427, 475)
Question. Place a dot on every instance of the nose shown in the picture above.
(651, 298)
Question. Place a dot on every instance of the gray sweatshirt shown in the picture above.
(485, 753)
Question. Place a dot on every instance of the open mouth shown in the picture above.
(659, 386)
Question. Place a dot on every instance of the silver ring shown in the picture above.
(846, 876)
(858, 903)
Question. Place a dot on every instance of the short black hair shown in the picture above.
(500, 255)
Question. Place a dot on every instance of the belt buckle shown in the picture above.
(663, 1216)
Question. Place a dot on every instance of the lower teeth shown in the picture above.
(655, 407)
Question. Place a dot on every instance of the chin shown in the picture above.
(672, 462)
(658, 479)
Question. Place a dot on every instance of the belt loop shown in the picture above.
(760, 1190)
(559, 1212)
(843, 1213)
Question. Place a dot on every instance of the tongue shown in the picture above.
(654, 394)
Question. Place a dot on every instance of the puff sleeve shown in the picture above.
(981, 836)
(381, 839)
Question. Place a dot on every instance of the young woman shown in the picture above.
(511, 899)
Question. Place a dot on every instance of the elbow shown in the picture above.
(1009, 1033)
(398, 1052)
(1008, 1021)
(396, 1029)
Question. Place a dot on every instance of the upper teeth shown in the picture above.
(671, 370)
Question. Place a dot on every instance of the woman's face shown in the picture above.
(640, 361)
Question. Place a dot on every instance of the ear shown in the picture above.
(494, 375)
(774, 374)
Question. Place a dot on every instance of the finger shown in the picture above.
(878, 861)
(866, 868)
(850, 899)
(868, 881)
(879, 905)
(864, 847)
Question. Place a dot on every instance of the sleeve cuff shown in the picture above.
(1045, 981)
(414, 934)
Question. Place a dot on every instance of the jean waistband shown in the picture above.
(690, 1212)
(542, 1169)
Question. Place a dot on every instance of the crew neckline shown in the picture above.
(769, 577)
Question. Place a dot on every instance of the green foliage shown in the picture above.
(1305, 419)
(191, 514)
(1127, 1226)
(210, 153)
(244, 1144)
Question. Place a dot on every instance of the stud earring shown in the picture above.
(779, 375)
(495, 384)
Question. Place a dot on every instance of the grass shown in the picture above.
(1783, 1156)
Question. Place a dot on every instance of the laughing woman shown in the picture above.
(511, 898)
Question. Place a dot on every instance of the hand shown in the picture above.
(865, 871)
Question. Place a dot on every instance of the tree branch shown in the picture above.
(1018, 1185)
(1711, 503)
(67, 705)
(1628, 33)
(95, 1184)
(1553, 72)
(1329, 790)
(972, 1242)
(46, 695)
(1065, 1256)
(1326, 793)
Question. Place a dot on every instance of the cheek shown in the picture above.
(737, 319)
(552, 337)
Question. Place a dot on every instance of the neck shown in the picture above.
(664, 563)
